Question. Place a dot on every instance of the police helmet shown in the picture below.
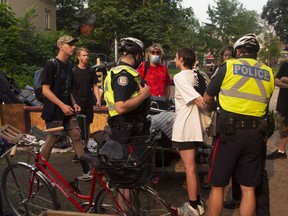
(130, 44)
(248, 41)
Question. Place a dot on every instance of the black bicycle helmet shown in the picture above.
(248, 41)
(131, 45)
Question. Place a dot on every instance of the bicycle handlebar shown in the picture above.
(13, 151)
(54, 129)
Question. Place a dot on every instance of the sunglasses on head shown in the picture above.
(153, 52)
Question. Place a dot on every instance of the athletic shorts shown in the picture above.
(282, 125)
(68, 123)
(239, 153)
(88, 112)
(185, 145)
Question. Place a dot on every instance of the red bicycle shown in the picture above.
(31, 189)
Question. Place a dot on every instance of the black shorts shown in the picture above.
(239, 153)
(185, 145)
(88, 112)
(133, 141)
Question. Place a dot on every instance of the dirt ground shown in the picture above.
(171, 185)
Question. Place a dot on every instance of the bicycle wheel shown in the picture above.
(141, 201)
(15, 187)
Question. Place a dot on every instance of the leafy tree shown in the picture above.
(271, 51)
(70, 14)
(19, 57)
(10, 35)
(162, 21)
(229, 21)
(275, 12)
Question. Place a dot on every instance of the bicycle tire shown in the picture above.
(147, 202)
(15, 188)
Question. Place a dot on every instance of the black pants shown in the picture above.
(132, 139)
(261, 191)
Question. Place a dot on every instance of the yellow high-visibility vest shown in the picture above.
(108, 91)
(247, 87)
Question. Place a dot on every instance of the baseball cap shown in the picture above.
(66, 39)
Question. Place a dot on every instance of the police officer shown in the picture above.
(244, 87)
(127, 97)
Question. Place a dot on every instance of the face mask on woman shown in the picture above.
(155, 58)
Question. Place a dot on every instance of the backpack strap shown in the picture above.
(54, 60)
(147, 65)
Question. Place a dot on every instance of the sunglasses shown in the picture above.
(155, 52)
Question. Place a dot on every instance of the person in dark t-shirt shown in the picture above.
(281, 80)
(58, 107)
(85, 89)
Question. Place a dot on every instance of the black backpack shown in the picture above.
(201, 81)
(37, 81)
(9, 91)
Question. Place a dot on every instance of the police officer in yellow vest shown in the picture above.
(127, 97)
(244, 87)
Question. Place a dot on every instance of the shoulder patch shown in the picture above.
(123, 81)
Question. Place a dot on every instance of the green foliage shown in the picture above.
(271, 52)
(71, 13)
(10, 36)
(229, 21)
(173, 71)
(22, 48)
(151, 21)
(276, 14)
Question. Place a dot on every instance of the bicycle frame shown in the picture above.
(40, 164)
(46, 172)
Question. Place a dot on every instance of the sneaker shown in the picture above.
(231, 204)
(87, 177)
(187, 210)
(75, 159)
(201, 208)
(276, 155)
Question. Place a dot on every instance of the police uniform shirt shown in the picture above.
(124, 85)
(214, 86)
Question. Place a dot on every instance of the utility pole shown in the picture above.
(116, 49)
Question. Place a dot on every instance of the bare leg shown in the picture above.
(48, 146)
(125, 199)
(248, 202)
(188, 157)
(282, 144)
(78, 146)
(215, 204)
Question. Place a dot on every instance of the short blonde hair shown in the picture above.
(81, 49)
(156, 46)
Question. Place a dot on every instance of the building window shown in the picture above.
(47, 19)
